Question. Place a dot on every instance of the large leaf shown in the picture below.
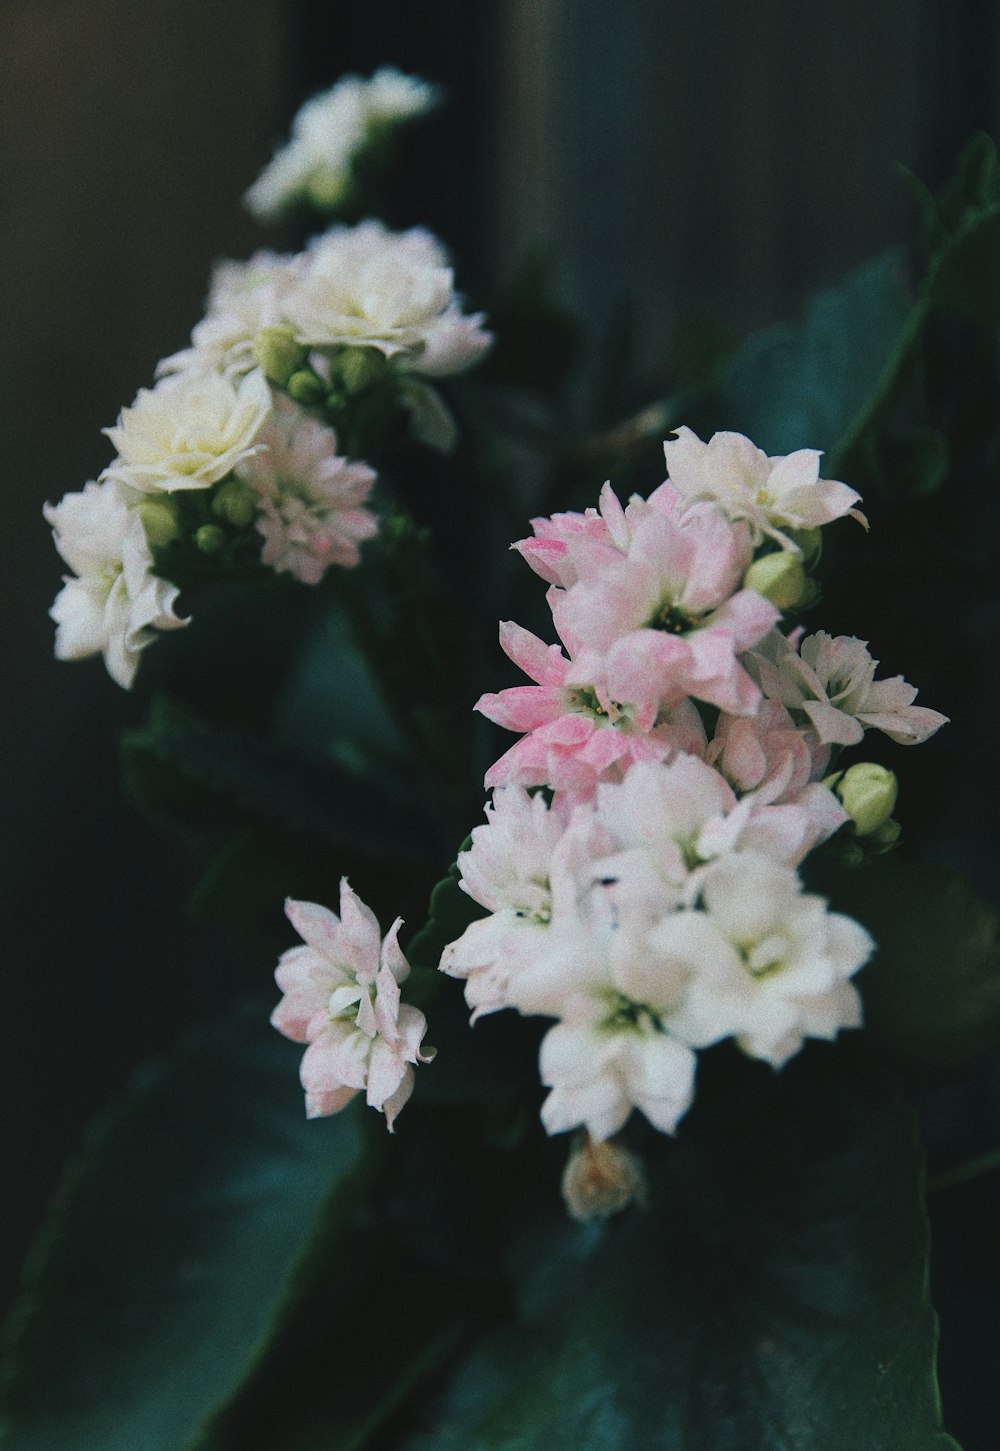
(932, 990)
(810, 383)
(773, 1296)
(164, 1270)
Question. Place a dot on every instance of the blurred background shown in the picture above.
(675, 159)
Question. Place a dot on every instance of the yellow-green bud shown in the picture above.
(159, 519)
(360, 368)
(810, 541)
(279, 353)
(884, 837)
(868, 794)
(210, 538)
(779, 577)
(306, 387)
(235, 503)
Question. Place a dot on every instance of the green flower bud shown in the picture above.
(235, 503)
(360, 368)
(159, 519)
(279, 353)
(306, 387)
(868, 794)
(810, 541)
(779, 577)
(210, 538)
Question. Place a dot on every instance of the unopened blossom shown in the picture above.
(770, 964)
(773, 495)
(244, 299)
(115, 604)
(831, 680)
(311, 500)
(188, 432)
(341, 996)
(366, 286)
(328, 134)
(572, 738)
(601, 1179)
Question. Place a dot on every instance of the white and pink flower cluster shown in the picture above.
(341, 996)
(363, 303)
(648, 900)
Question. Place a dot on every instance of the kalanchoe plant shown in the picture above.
(666, 1188)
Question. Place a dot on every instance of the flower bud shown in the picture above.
(868, 794)
(883, 838)
(306, 387)
(159, 519)
(810, 542)
(360, 368)
(779, 577)
(600, 1179)
(279, 353)
(210, 538)
(235, 503)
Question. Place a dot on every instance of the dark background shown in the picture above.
(676, 158)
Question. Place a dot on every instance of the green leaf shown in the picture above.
(181, 769)
(774, 1295)
(932, 990)
(965, 275)
(807, 384)
(164, 1270)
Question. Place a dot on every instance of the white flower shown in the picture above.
(188, 432)
(507, 869)
(244, 298)
(341, 996)
(328, 133)
(771, 494)
(832, 681)
(116, 604)
(598, 1075)
(365, 286)
(769, 964)
(311, 500)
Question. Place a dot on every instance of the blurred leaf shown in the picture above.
(916, 460)
(965, 274)
(537, 341)
(773, 1295)
(807, 384)
(172, 1246)
(176, 751)
(932, 990)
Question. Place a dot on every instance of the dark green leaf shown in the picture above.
(965, 275)
(807, 384)
(179, 766)
(773, 1296)
(932, 990)
(164, 1270)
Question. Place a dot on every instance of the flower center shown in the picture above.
(626, 1016)
(672, 619)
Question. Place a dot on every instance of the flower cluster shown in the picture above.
(330, 134)
(341, 996)
(648, 899)
(233, 459)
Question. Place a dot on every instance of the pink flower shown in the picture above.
(341, 996)
(572, 737)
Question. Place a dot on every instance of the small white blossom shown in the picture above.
(831, 679)
(244, 298)
(341, 996)
(188, 432)
(311, 500)
(328, 133)
(770, 964)
(117, 603)
(365, 286)
(771, 494)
